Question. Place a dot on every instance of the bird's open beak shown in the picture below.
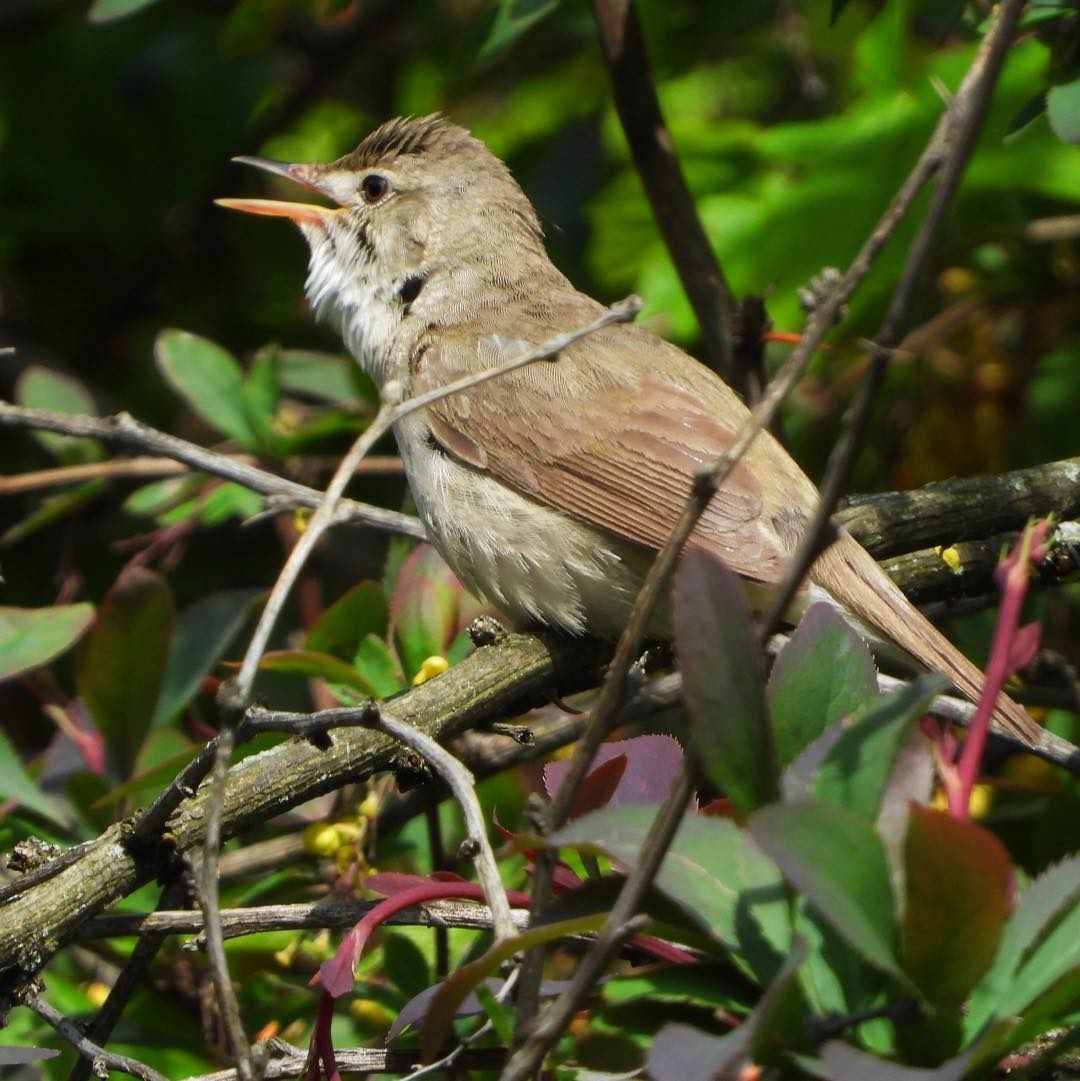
(301, 213)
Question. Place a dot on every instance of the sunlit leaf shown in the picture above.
(378, 665)
(208, 378)
(834, 857)
(423, 608)
(651, 764)
(306, 662)
(1040, 945)
(31, 637)
(714, 871)
(825, 672)
(358, 612)
(856, 769)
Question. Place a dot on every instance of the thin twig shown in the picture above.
(123, 430)
(101, 1060)
(206, 890)
(661, 174)
(122, 468)
(950, 148)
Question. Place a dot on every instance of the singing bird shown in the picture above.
(548, 490)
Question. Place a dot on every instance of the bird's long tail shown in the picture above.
(850, 574)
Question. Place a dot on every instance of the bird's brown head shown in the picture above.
(420, 206)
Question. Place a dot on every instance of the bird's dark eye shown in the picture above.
(373, 187)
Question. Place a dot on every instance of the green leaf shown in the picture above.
(42, 388)
(262, 389)
(228, 500)
(327, 376)
(358, 612)
(834, 857)
(16, 784)
(121, 665)
(306, 662)
(377, 664)
(31, 637)
(1063, 110)
(1041, 944)
(713, 871)
(153, 499)
(723, 680)
(958, 881)
(103, 11)
(512, 19)
(204, 631)
(856, 770)
(209, 380)
(825, 672)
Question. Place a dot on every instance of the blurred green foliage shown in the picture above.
(795, 123)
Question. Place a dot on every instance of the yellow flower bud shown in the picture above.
(322, 839)
(433, 666)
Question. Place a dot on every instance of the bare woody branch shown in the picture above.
(965, 508)
(496, 679)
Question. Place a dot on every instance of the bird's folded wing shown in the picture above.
(608, 442)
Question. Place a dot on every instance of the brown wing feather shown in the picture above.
(612, 443)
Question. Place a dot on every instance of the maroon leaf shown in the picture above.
(599, 786)
(959, 880)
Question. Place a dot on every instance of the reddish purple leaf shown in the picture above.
(599, 786)
(651, 765)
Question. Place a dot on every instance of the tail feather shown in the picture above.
(850, 575)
